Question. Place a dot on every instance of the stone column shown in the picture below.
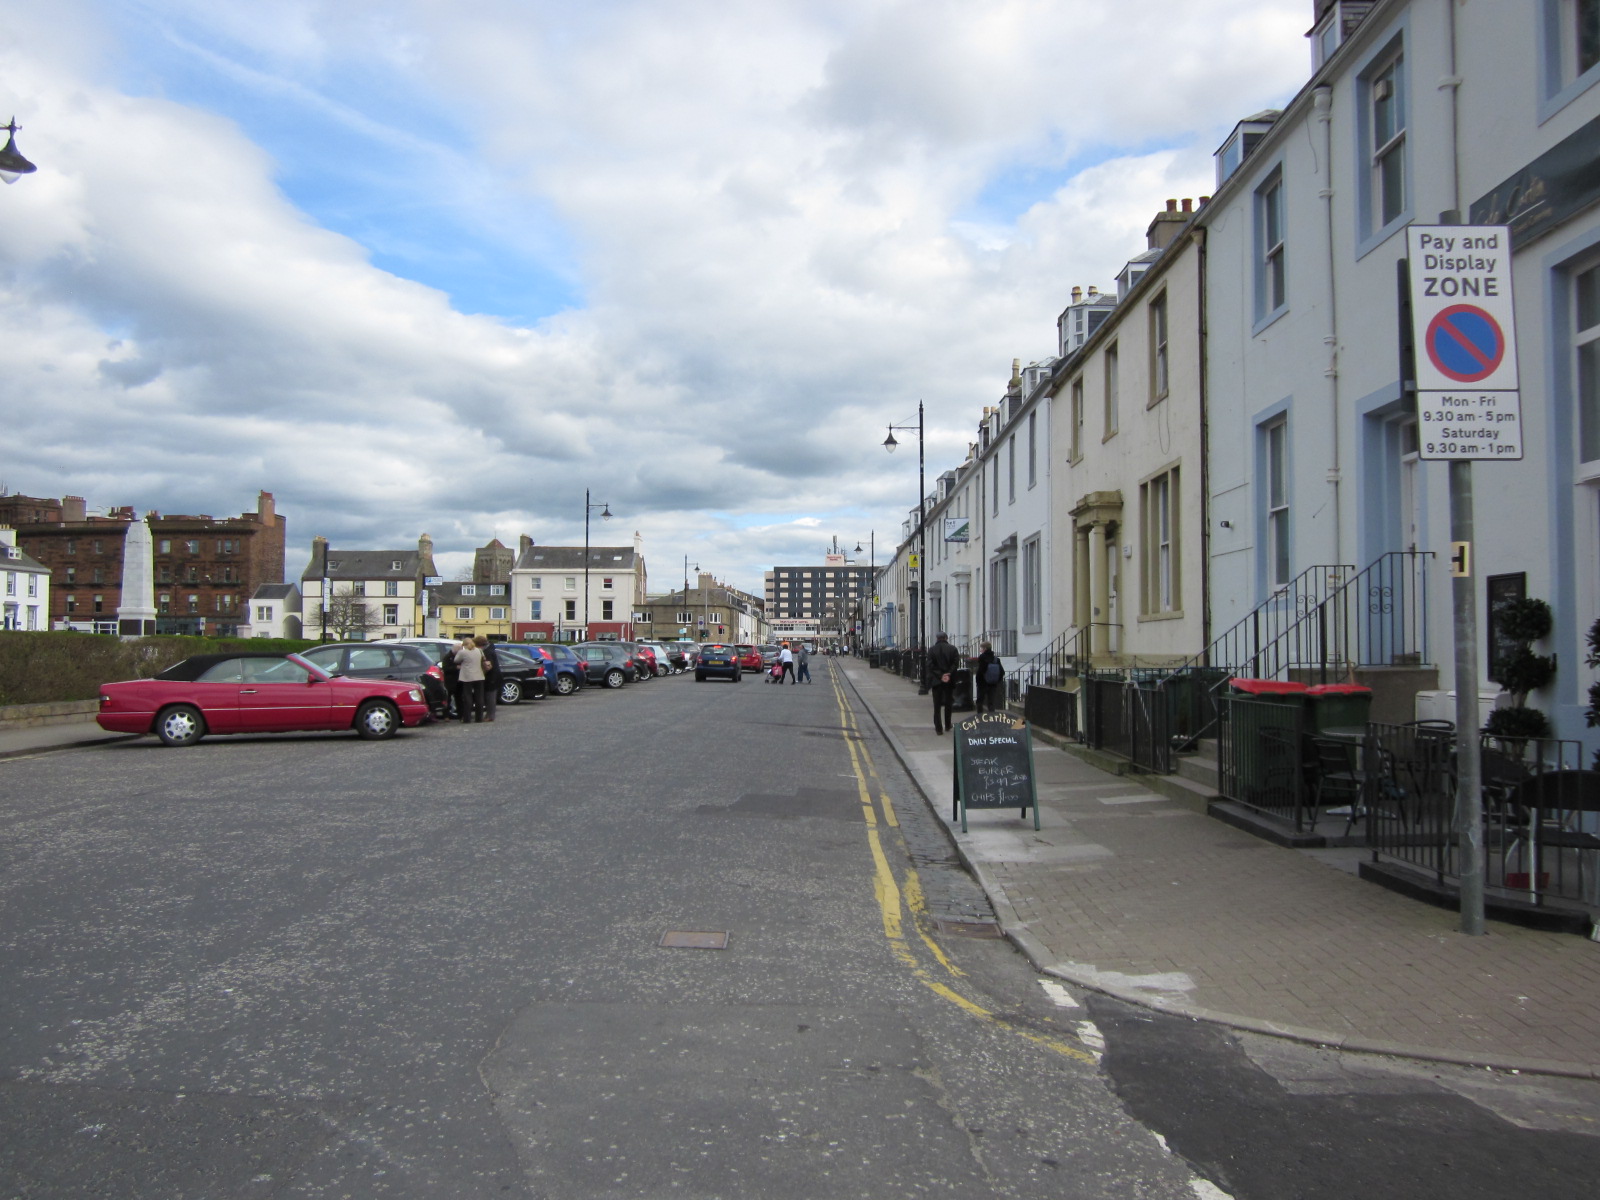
(1099, 588)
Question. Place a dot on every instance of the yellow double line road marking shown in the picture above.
(896, 898)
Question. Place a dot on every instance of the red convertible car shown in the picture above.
(256, 693)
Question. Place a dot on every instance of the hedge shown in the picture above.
(43, 668)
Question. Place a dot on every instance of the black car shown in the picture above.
(517, 679)
(608, 663)
(383, 660)
(523, 672)
(717, 660)
(568, 674)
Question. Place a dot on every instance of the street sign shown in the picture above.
(1461, 312)
(1464, 327)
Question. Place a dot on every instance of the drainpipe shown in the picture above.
(1322, 105)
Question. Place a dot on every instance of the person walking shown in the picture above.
(943, 660)
(989, 675)
(469, 663)
(491, 675)
(802, 664)
(786, 663)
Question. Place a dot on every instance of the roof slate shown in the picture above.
(570, 558)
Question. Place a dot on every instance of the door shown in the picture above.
(279, 695)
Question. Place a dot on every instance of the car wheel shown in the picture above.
(180, 726)
(736, 676)
(377, 719)
(699, 676)
(614, 678)
(510, 691)
(565, 685)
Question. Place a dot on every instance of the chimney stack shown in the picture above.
(74, 508)
(1168, 224)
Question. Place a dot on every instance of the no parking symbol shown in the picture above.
(1465, 343)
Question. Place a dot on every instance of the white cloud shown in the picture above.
(773, 212)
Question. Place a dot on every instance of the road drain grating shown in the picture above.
(972, 929)
(679, 939)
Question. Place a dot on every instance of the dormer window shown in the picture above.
(394, 564)
(1246, 135)
(469, 589)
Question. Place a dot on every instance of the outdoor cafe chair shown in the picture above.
(1552, 807)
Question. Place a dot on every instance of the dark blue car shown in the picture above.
(717, 660)
(566, 672)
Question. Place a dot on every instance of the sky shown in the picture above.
(426, 266)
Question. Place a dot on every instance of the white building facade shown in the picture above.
(1417, 112)
(24, 587)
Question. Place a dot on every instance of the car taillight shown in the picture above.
(436, 671)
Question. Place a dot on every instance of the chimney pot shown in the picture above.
(1077, 294)
(1188, 204)
(1204, 200)
(1093, 291)
(1172, 206)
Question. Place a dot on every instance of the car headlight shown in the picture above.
(415, 695)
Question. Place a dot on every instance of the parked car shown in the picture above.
(677, 661)
(568, 674)
(691, 651)
(523, 670)
(749, 657)
(607, 663)
(717, 660)
(644, 659)
(769, 654)
(256, 693)
(384, 660)
(517, 680)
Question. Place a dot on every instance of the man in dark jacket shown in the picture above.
(989, 675)
(943, 660)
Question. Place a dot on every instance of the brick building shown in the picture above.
(205, 568)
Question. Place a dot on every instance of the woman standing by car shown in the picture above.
(469, 662)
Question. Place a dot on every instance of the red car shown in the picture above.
(256, 693)
(749, 657)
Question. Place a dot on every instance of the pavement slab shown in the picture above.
(1131, 894)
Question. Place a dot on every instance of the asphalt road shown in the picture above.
(431, 967)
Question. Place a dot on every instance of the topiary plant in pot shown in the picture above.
(1524, 622)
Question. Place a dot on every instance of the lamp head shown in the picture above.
(605, 513)
(889, 443)
(12, 165)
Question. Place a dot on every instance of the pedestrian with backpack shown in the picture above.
(989, 675)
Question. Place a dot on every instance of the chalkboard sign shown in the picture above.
(993, 766)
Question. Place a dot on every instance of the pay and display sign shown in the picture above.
(1464, 330)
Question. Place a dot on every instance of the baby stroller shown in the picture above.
(775, 675)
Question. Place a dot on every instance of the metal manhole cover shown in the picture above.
(972, 929)
(684, 940)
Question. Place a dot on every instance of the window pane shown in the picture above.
(1275, 473)
(1587, 17)
(1391, 184)
(1280, 548)
(1588, 289)
(1589, 401)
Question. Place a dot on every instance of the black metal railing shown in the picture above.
(1004, 641)
(1540, 811)
(1260, 761)
(1052, 667)
(1053, 709)
(1127, 713)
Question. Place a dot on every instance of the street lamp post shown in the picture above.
(12, 165)
(689, 612)
(889, 444)
(605, 515)
(872, 587)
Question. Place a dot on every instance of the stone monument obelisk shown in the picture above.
(136, 616)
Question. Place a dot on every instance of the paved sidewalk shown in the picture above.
(37, 739)
(1132, 894)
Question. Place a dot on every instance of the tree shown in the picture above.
(349, 614)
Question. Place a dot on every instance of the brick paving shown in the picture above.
(1134, 894)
